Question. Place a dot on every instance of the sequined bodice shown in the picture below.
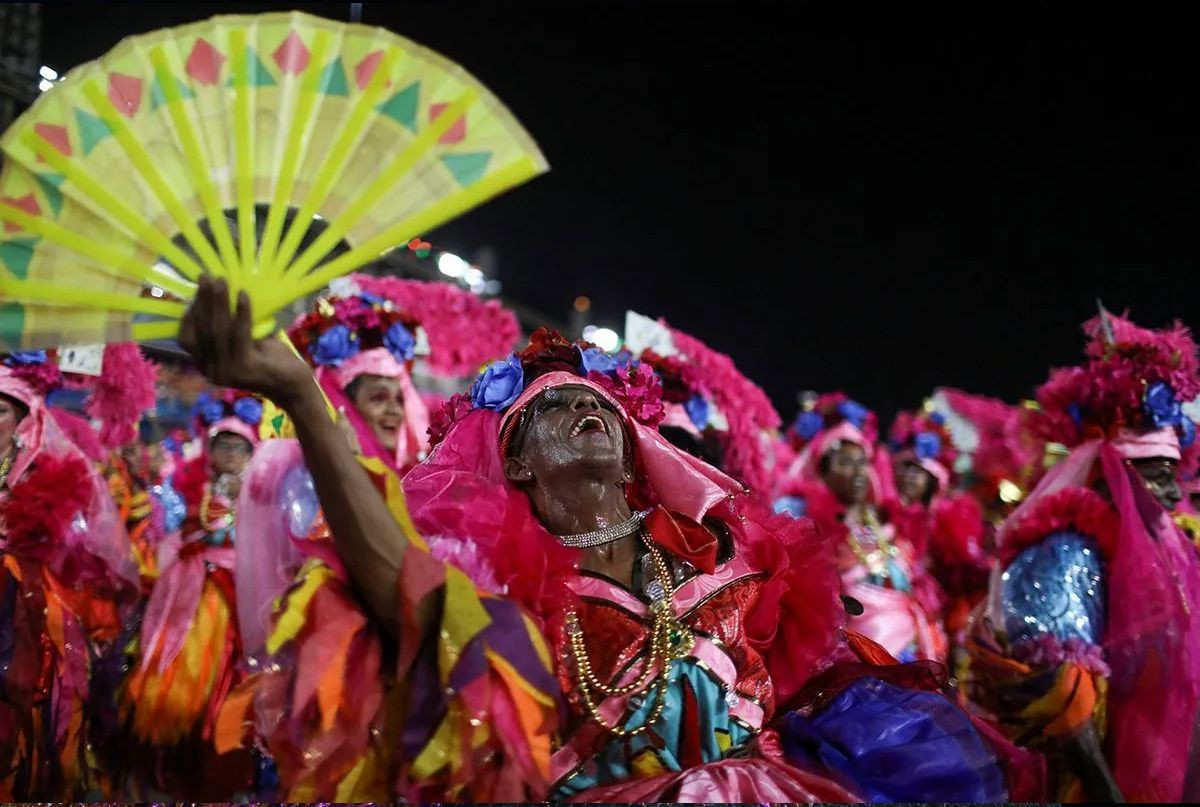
(1055, 587)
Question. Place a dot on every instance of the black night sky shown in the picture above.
(876, 197)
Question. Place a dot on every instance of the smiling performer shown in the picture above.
(595, 568)
(361, 346)
(1089, 647)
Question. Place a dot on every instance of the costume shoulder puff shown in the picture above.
(1076, 509)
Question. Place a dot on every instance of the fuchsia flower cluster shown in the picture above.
(1136, 379)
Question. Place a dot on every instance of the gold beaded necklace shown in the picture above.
(6, 466)
(873, 560)
(669, 640)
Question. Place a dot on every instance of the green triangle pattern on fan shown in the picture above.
(212, 148)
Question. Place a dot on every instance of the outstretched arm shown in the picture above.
(369, 541)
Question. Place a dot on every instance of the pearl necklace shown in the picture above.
(604, 535)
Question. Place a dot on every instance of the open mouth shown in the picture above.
(589, 423)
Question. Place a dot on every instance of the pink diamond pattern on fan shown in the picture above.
(292, 56)
(125, 92)
(365, 70)
(55, 135)
(457, 131)
(204, 63)
(26, 203)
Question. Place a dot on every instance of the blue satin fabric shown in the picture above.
(1056, 588)
(890, 744)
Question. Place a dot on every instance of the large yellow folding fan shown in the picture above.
(215, 148)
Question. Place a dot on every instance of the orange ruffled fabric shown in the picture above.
(466, 714)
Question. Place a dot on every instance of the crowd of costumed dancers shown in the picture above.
(594, 576)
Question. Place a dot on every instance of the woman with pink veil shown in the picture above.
(1088, 645)
(67, 580)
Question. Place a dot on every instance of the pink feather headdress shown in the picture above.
(1134, 380)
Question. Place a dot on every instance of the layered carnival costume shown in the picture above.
(67, 581)
(879, 565)
(945, 527)
(727, 645)
(186, 658)
(1091, 624)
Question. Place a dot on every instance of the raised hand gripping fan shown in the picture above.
(278, 151)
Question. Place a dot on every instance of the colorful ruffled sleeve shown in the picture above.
(467, 712)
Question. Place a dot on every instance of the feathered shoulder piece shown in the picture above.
(1076, 509)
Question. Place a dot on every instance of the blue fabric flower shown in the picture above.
(624, 358)
(1076, 413)
(1161, 405)
(699, 410)
(808, 424)
(371, 299)
(400, 342)
(248, 410)
(334, 346)
(1187, 432)
(927, 445)
(595, 359)
(854, 412)
(499, 385)
(211, 410)
(938, 418)
(26, 357)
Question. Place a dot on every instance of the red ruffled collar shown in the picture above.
(1079, 509)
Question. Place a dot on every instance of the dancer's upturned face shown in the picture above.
(568, 430)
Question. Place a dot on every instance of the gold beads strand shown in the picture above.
(6, 466)
(669, 640)
(871, 560)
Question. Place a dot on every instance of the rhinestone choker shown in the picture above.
(604, 535)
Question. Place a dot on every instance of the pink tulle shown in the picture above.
(464, 331)
(1152, 642)
(266, 557)
(81, 433)
(122, 394)
(102, 535)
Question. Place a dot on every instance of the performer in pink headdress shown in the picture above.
(837, 480)
(361, 346)
(67, 578)
(1089, 645)
(589, 560)
(189, 648)
(943, 525)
